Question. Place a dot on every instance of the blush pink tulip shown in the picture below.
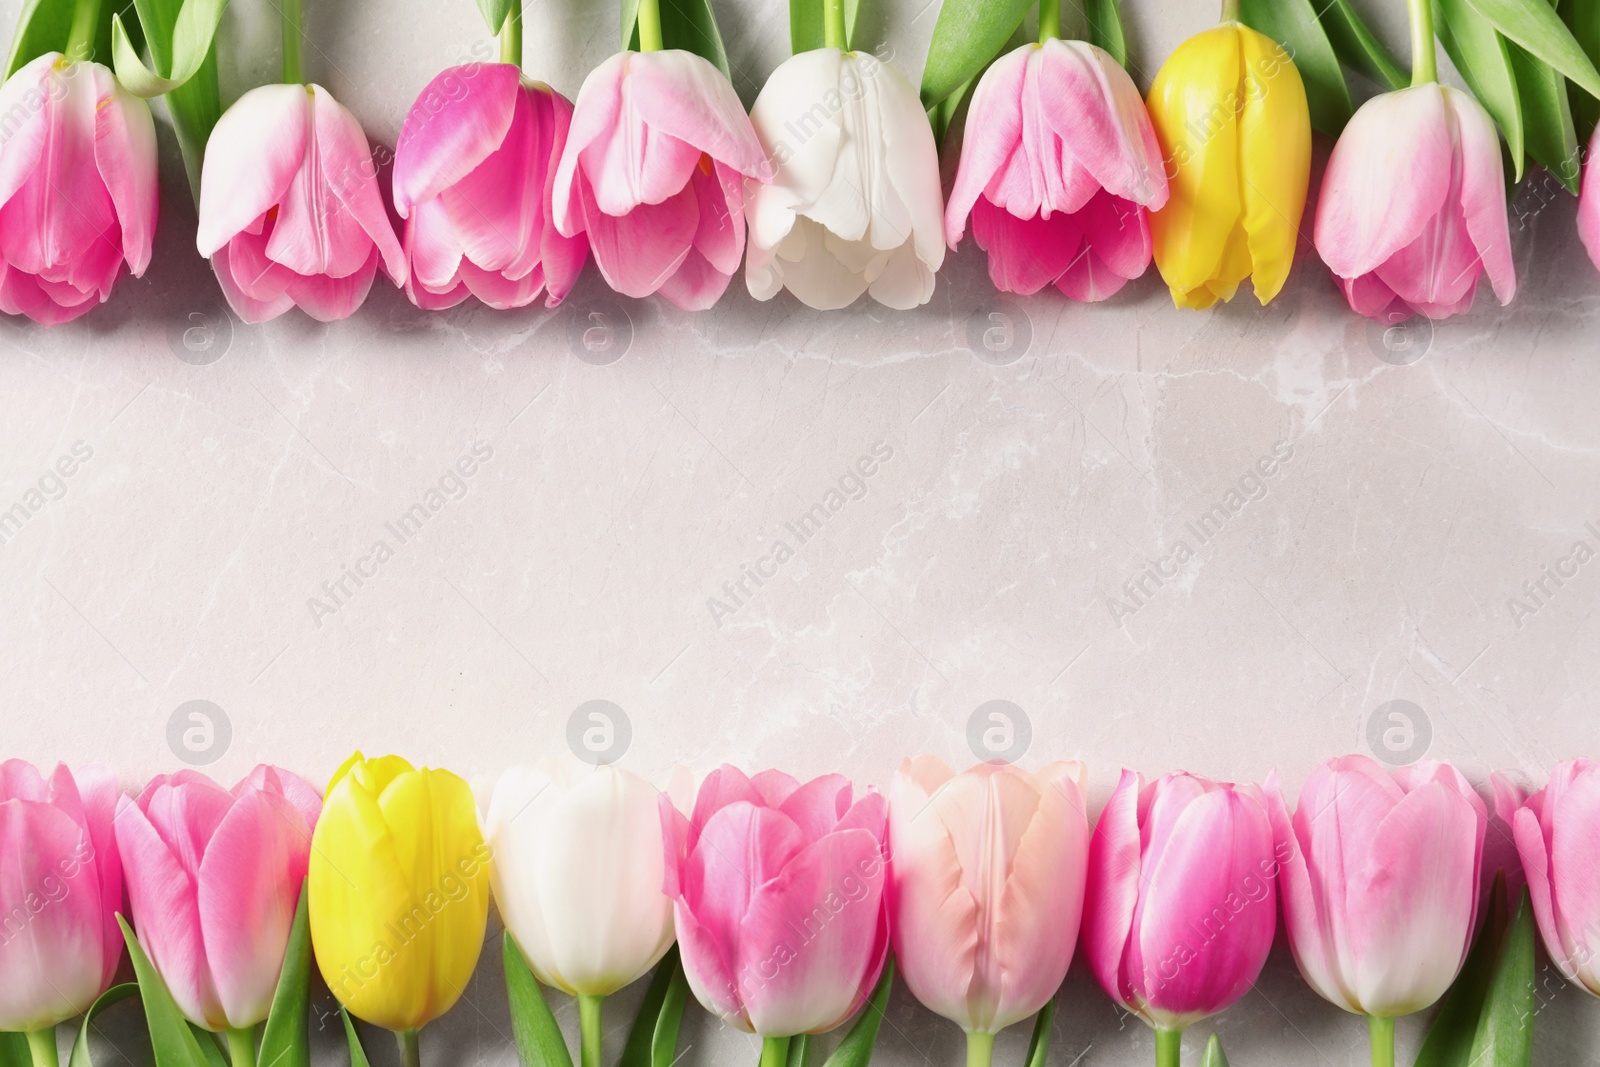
(777, 891)
(473, 173)
(1060, 169)
(1182, 907)
(214, 876)
(1413, 206)
(1555, 830)
(77, 188)
(60, 890)
(653, 171)
(986, 888)
(290, 213)
(1589, 202)
(1380, 882)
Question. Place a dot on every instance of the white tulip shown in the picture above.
(577, 872)
(855, 206)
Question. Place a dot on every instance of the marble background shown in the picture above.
(1041, 456)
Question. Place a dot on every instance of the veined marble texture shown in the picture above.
(1069, 508)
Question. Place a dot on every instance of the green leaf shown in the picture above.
(653, 1038)
(856, 1048)
(1105, 28)
(43, 27)
(80, 1045)
(1481, 55)
(1214, 1054)
(799, 1051)
(1535, 26)
(14, 1050)
(1583, 19)
(358, 1055)
(170, 1034)
(208, 1045)
(538, 1038)
(1294, 24)
(1039, 1043)
(1551, 138)
(951, 112)
(287, 1041)
(1505, 1029)
(967, 36)
(687, 24)
(179, 34)
(1449, 1040)
(806, 30)
(1358, 48)
(494, 13)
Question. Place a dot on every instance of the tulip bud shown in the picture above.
(398, 890)
(986, 888)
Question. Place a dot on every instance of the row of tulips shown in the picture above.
(785, 899)
(828, 188)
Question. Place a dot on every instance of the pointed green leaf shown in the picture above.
(494, 13)
(179, 36)
(1583, 19)
(358, 1055)
(44, 27)
(1551, 138)
(14, 1050)
(170, 1036)
(856, 1048)
(1214, 1054)
(1505, 1028)
(1105, 28)
(636, 1052)
(1294, 24)
(687, 24)
(1358, 48)
(1039, 1043)
(1481, 55)
(538, 1038)
(664, 1041)
(950, 114)
(1535, 26)
(80, 1045)
(968, 35)
(1449, 1040)
(287, 1041)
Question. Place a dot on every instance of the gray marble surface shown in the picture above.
(234, 470)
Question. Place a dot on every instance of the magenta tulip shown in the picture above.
(1379, 881)
(1060, 169)
(1413, 206)
(986, 888)
(1555, 831)
(60, 889)
(473, 173)
(290, 213)
(653, 171)
(777, 893)
(77, 188)
(214, 876)
(1181, 908)
(1589, 202)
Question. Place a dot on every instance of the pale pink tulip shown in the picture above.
(1555, 830)
(1181, 908)
(1060, 169)
(60, 890)
(653, 171)
(77, 188)
(778, 898)
(986, 886)
(290, 213)
(1413, 206)
(213, 878)
(1589, 201)
(1379, 880)
(473, 173)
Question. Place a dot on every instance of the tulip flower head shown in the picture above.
(1229, 109)
(986, 888)
(473, 173)
(1413, 206)
(60, 890)
(77, 188)
(398, 891)
(1181, 908)
(290, 213)
(778, 894)
(1589, 202)
(214, 878)
(653, 172)
(1059, 170)
(855, 206)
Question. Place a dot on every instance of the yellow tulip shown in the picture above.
(398, 891)
(1230, 111)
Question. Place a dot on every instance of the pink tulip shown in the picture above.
(1060, 169)
(1413, 206)
(777, 892)
(1555, 831)
(290, 213)
(1589, 202)
(213, 878)
(653, 171)
(473, 172)
(60, 889)
(77, 188)
(1181, 908)
(986, 887)
(1380, 881)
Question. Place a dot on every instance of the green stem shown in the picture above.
(590, 1030)
(980, 1049)
(294, 71)
(833, 35)
(1424, 64)
(511, 37)
(650, 26)
(774, 1051)
(1049, 20)
(1230, 11)
(85, 24)
(410, 1047)
(1381, 1034)
(1168, 1045)
(43, 1045)
(195, 107)
(242, 1047)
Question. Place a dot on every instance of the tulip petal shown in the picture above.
(125, 154)
(1588, 201)
(458, 120)
(1275, 142)
(991, 143)
(23, 99)
(1574, 877)
(329, 299)
(253, 155)
(1483, 191)
(639, 251)
(1113, 888)
(1025, 255)
(680, 95)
